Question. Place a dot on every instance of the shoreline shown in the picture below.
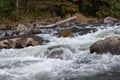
(81, 19)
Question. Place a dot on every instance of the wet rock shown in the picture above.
(66, 33)
(83, 30)
(12, 43)
(23, 29)
(53, 47)
(4, 44)
(35, 29)
(82, 25)
(110, 20)
(19, 41)
(75, 29)
(7, 44)
(109, 44)
(44, 41)
(9, 33)
(56, 53)
(28, 41)
(28, 29)
(98, 47)
(59, 53)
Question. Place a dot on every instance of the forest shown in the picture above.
(15, 10)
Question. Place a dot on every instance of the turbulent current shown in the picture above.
(31, 63)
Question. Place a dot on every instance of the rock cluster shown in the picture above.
(19, 42)
(27, 29)
(24, 29)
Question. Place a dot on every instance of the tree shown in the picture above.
(109, 8)
(4, 8)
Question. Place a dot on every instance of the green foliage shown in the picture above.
(4, 7)
(68, 7)
(110, 8)
(54, 8)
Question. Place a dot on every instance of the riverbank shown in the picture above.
(81, 19)
(6, 24)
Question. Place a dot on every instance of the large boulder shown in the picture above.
(19, 41)
(109, 44)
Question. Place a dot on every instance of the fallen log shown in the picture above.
(58, 23)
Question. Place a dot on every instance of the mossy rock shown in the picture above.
(66, 33)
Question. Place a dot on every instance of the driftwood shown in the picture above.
(58, 23)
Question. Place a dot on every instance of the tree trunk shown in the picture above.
(17, 8)
(28, 6)
(60, 22)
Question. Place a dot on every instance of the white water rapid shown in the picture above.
(31, 63)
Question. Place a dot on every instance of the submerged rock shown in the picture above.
(56, 53)
(109, 44)
(19, 41)
(59, 53)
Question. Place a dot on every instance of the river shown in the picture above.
(31, 63)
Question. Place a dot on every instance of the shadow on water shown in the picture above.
(105, 76)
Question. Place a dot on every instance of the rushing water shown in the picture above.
(31, 63)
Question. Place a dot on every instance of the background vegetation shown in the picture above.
(15, 10)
